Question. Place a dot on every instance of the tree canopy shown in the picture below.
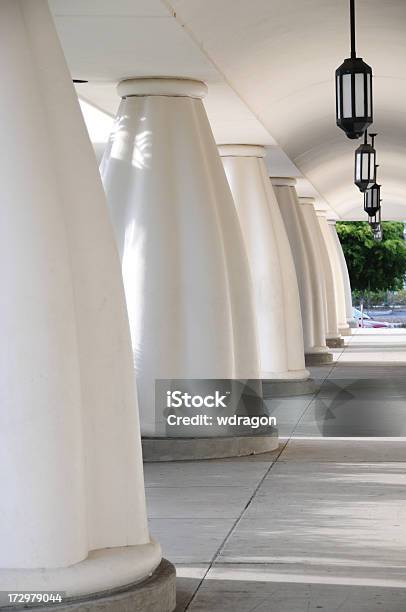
(374, 266)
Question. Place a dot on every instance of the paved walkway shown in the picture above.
(318, 525)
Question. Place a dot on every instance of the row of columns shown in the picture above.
(219, 283)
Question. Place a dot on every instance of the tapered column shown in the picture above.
(310, 287)
(324, 271)
(185, 269)
(346, 277)
(72, 506)
(337, 274)
(276, 295)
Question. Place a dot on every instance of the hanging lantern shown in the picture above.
(376, 227)
(372, 199)
(354, 90)
(365, 161)
(377, 234)
(375, 220)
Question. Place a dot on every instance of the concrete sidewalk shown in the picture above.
(319, 524)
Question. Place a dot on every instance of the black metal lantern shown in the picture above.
(377, 234)
(365, 164)
(372, 199)
(375, 220)
(376, 227)
(354, 113)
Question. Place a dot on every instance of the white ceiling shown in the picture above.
(270, 68)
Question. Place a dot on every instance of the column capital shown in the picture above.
(325, 213)
(283, 181)
(162, 86)
(241, 150)
(307, 201)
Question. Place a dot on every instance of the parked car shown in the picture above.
(369, 321)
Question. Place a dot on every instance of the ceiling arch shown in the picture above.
(281, 56)
(270, 69)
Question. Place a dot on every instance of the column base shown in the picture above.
(318, 358)
(157, 593)
(287, 376)
(335, 342)
(194, 449)
(103, 574)
(345, 331)
(288, 388)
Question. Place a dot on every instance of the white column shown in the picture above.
(337, 274)
(324, 271)
(316, 272)
(346, 277)
(310, 288)
(70, 456)
(186, 272)
(276, 295)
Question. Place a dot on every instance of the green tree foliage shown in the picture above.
(374, 266)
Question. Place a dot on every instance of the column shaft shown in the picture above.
(310, 287)
(338, 277)
(185, 269)
(346, 278)
(278, 316)
(324, 271)
(70, 455)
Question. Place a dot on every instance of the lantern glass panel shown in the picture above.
(359, 95)
(358, 167)
(374, 198)
(338, 98)
(372, 159)
(369, 95)
(347, 97)
(365, 172)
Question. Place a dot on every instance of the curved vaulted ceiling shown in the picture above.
(270, 68)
